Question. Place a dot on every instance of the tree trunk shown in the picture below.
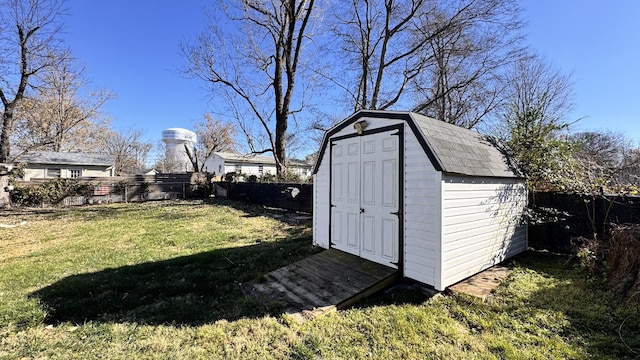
(281, 144)
(7, 125)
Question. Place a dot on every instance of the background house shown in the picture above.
(222, 163)
(5, 169)
(51, 165)
(436, 201)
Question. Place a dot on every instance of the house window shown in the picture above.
(260, 170)
(239, 169)
(53, 173)
(75, 173)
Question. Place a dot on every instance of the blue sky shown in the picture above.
(132, 48)
(598, 43)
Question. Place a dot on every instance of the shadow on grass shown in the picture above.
(189, 290)
(403, 292)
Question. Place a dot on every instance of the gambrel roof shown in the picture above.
(451, 149)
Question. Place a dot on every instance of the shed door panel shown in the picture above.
(345, 196)
(364, 219)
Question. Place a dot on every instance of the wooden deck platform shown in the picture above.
(321, 283)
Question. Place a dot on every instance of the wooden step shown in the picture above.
(328, 280)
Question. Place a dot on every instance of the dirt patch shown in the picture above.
(481, 285)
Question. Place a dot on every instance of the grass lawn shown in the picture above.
(162, 280)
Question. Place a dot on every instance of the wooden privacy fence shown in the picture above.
(135, 188)
(295, 197)
(568, 216)
(290, 196)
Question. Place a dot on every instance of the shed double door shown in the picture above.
(365, 178)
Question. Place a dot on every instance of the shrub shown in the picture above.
(28, 195)
(290, 176)
(120, 187)
(268, 178)
(201, 189)
(234, 176)
(53, 192)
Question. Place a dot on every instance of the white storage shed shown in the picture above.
(436, 201)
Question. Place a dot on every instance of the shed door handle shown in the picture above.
(361, 210)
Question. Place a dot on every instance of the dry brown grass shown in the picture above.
(624, 262)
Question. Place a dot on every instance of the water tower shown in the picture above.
(175, 140)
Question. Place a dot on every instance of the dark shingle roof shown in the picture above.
(462, 151)
(451, 149)
(66, 158)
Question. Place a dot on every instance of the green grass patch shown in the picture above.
(162, 280)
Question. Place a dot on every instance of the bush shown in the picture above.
(291, 177)
(268, 178)
(201, 189)
(51, 192)
(120, 187)
(287, 177)
(28, 195)
(233, 177)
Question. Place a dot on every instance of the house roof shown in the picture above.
(451, 149)
(66, 158)
(257, 159)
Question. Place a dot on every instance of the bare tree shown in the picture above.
(58, 117)
(255, 70)
(129, 151)
(439, 56)
(162, 162)
(383, 55)
(213, 135)
(608, 161)
(535, 128)
(465, 80)
(30, 44)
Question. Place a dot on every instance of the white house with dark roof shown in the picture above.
(66, 165)
(222, 163)
(438, 202)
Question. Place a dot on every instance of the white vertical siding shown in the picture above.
(422, 185)
(481, 224)
(321, 204)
